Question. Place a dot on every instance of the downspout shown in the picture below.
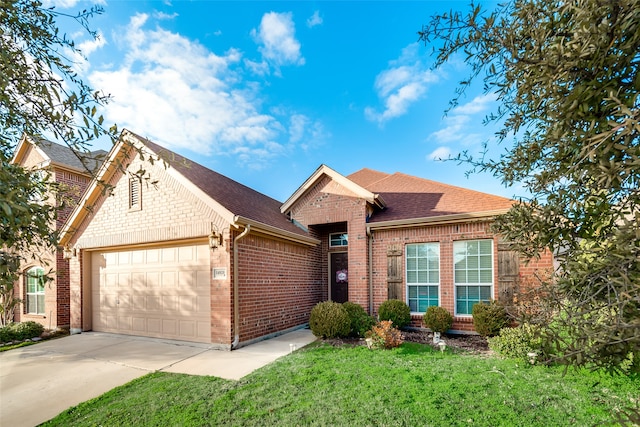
(236, 295)
(370, 234)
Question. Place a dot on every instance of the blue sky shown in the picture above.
(265, 92)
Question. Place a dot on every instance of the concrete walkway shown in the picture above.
(40, 381)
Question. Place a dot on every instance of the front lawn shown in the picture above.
(413, 385)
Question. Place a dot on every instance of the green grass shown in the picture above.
(412, 385)
(13, 346)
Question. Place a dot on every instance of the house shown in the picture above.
(177, 251)
(47, 301)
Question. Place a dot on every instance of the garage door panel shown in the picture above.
(159, 292)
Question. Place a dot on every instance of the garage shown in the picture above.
(160, 292)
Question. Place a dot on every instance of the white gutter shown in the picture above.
(236, 296)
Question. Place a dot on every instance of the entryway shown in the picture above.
(339, 275)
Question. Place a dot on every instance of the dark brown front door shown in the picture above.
(339, 271)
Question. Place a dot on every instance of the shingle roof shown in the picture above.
(235, 197)
(410, 197)
(63, 155)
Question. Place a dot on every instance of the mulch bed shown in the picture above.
(474, 344)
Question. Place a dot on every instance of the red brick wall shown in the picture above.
(279, 284)
(445, 235)
(330, 203)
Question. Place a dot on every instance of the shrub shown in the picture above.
(361, 322)
(21, 331)
(395, 310)
(385, 335)
(329, 320)
(438, 319)
(489, 319)
(517, 342)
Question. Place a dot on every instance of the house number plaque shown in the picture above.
(219, 273)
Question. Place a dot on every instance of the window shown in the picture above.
(134, 193)
(423, 276)
(473, 273)
(337, 240)
(35, 290)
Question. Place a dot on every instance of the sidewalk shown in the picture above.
(40, 381)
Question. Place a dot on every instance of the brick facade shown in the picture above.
(281, 275)
(72, 185)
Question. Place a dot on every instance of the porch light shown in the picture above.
(215, 238)
(68, 252)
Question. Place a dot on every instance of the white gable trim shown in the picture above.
(335, 176)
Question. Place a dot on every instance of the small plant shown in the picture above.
(395, 310)
(489, 319)
(329, 320)
(518, 342)
(20, 331)
(361, 322)
(438, 319)
(385, 335)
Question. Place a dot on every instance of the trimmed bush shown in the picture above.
(438, 319)
(384, 335)
(20, 331)
(395, 310)
(517, 342)
(329, 320)
(489, 319)
(361, 322)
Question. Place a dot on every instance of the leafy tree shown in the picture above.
(40, 95)
(566, 78)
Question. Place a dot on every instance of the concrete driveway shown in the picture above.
(40, 381)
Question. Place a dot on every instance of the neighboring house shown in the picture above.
(46, 297)
(186, 253)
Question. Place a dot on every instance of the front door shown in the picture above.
(339, 272)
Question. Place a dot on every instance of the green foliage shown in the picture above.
(385, 335)
(489, 319)
(329, 320)
(361, 322)
(40, 94)
(518, 342)
(395, 310)
(20, 331)
(438, 319)
(565, 75)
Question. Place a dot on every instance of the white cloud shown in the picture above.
(276, 36)
(459, 126)
(314, 20)
(440, 153)
(165, 16)
(305, 132)
(479, 104)
(67, 4)
(399, 86)
(176, 92)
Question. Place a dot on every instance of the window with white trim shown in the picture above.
(35, 290)
(337, 240)
(423, 276)
(473, 273)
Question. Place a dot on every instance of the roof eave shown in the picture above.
(437, 220)
(270, 230)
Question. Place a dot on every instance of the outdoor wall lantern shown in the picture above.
(215, 238)
(68, 252)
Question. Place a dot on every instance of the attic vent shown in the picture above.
(134, 194)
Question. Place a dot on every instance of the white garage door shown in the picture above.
(154, 292)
